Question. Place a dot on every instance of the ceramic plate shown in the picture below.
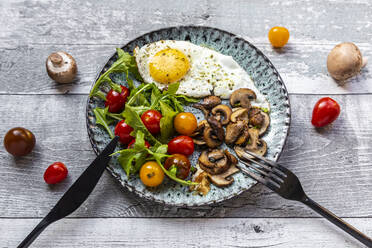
(262, 72)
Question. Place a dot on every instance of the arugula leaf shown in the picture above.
(133, 119)
(125, 63)
(177, 105)
(115, 116)
(126, 160)
(101, 119)
(172, 89)
(137, 97)
(186, 100)
(166, 122)
(132, 159)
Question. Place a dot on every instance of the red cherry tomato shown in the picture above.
(326, 110)
(151, 120)
(181, 144)
(131, 144)
(123, 130)
(55, 173)
(115, 101)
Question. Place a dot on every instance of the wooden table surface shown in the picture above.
(334, 164)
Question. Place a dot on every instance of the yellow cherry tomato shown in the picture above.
(278, 36)
(185, 123)
(151, 174)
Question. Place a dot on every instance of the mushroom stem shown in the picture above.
(56, 59)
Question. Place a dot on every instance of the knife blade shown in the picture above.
(76, 194)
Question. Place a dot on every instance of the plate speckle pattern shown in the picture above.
(262, 72)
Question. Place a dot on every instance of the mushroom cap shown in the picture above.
(210, 138)
(242, 97)
(211, 101)
(214, 161)
(222, 113)
(197, 136)
(61, 67)
(224, 179)
(259, 118)
(234, 130)
(265, 124)
(260, 149)
(216, 128)
(239, 114)
(344, 61)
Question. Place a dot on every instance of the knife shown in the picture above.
(76, 194)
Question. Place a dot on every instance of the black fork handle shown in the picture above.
(338, 222)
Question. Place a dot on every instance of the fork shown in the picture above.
(286, 184)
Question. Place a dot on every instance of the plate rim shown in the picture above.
(151, 198)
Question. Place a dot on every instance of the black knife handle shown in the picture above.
(34, 234)
(76, 194)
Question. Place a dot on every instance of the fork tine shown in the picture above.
(271, 185)
(269, 174)
(256, 168)
(275, 170)
(261, 158)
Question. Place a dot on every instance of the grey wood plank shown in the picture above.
(133, 232)
(102, 22)
(334, 164)
(31, 30)
(22, 69)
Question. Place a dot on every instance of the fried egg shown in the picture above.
(201, 71)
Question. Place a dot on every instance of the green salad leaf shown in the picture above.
(101, 119)
(133, 119)
(125, 63)
(166, 122)
(186, 99)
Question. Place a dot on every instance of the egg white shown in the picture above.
(211, 73)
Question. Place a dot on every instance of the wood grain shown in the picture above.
(31, 30)
(133, 232)
(333, 164)
(302, 67)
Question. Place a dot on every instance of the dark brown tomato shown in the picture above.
(181, 162)
(19, 141)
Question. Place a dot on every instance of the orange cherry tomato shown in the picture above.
(278, 36)
(185, 123)
(151, 174)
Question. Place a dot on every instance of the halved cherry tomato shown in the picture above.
(55, 173)
(115, 101)
(278, 36)
(151, 174)
(151, 120)
(181, 162)
(185, 123)
(131, 144)
(326, 110)
(123, 130)
(181, 144)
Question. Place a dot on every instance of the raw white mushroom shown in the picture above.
(61, 67)
(345, 61)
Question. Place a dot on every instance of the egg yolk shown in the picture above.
(169, 66)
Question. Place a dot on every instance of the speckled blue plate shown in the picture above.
(264, 75)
